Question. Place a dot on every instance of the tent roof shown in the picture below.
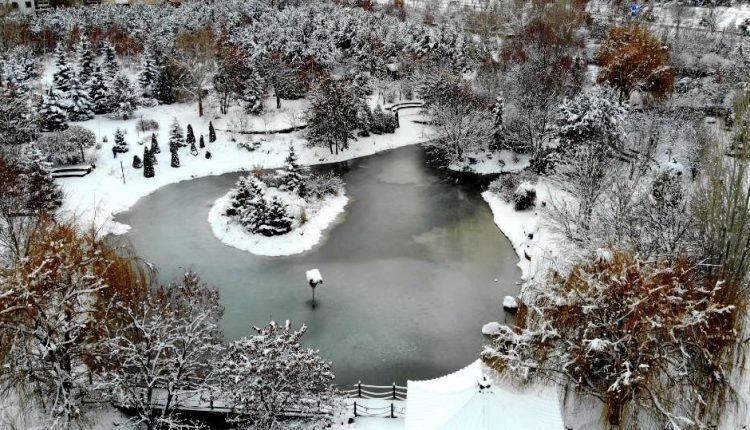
(455, 402)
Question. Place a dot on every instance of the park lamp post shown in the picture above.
(314, 279)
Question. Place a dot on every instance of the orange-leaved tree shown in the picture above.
(631, 58)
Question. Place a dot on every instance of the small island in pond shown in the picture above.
(276, 213)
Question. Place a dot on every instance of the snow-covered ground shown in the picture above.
(114, 186)
(502, 161)
(534, 244)
(301, 239)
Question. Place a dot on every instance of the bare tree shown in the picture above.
(194, 60)
(163, 353)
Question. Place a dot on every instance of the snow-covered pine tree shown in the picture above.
(277, 220)
(247, 193)
(364, 119)
(39, 187)
(51, 113)
(293, 176)
(61, 80)
(498, 109)
(137, 163)
(175, 136)
(122, 98)
(211, 132)
(60, 54)
(120, 145)
(98, 91)
(109, 61)
(193, 150)
(148, 163)
(255, 87)
(155, 144)
(16, 118)
(148, 76)
(190, 137)
(79, 105)
(378, 120)
(201, 142)
(271, 372)
(85, 59)
(164, 89)
(175, 160)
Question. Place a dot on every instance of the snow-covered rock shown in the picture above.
(510, 303)
(491, 328)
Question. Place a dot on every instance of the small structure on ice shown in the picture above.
(510, 304)
(314, 278)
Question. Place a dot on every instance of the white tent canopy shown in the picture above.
(468, 400)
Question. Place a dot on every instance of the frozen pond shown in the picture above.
(412, 272)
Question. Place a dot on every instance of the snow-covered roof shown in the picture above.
(456, 402)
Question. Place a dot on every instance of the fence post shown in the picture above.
(355, 409)
(393, 415)
(394, 391)
(359, 389)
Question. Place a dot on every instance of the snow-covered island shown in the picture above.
(279, 213)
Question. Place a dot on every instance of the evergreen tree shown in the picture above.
(211, 132)
(175, 159)
(85, 59)
(79, 105)
(497, 111)
(190, 137)
(52, 113)
(137, 164)
(111, 68)
(164, 90)
(60, 54)
(202, 142)
(244, 197)
(155, 144)
(61, 80)
(193, 150)
(148, 163)
(122, 98)
(98, 91)
(39, 188)
(175, 136)
(277, 219)
(208, 155)
(16, 118)
(148, 77)
(292, 177)
(253, 94)
(120, 145)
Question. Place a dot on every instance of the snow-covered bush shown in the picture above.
(271, 372)
(146, 125)
(524, 197)
(505, 186)
(67, 147)
(680, 323)
(321, 186)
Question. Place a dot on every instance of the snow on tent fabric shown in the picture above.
(465, 400)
